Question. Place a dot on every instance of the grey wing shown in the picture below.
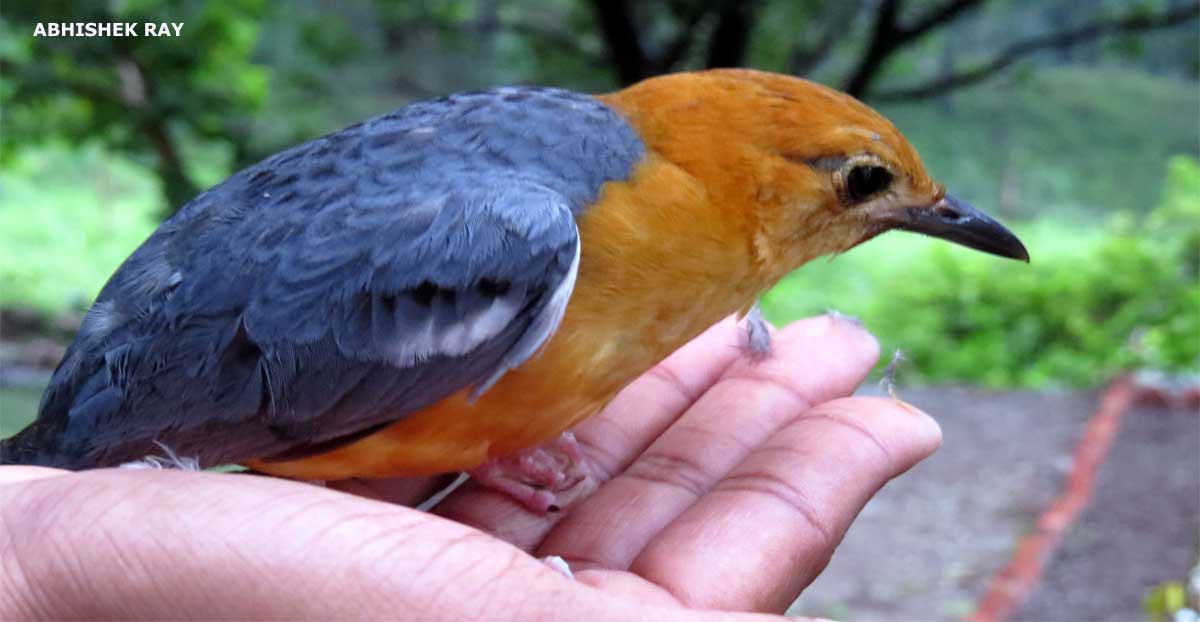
(313, 333)
(338, 286)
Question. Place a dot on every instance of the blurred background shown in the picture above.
(1076, 121)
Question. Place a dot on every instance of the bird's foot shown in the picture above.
(536, 477)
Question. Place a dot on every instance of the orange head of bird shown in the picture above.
(813, 170)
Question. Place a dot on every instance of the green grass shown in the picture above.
(18, 405)
(67, 220)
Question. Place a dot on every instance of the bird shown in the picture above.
(462, 280)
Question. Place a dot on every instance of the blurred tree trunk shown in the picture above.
(620, 35)
(138, 94)
(727, 46)
(630, 54)
(177, 186)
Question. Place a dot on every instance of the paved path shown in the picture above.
(928, 546)
(1140, 530)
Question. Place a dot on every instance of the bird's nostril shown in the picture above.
(947, 212)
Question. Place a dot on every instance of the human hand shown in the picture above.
(723, 484)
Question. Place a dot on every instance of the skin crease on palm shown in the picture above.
(724, 485)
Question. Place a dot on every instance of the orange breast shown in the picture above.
(659, 263)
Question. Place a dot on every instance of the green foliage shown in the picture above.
(1180, 204)
(1094, 301)
(1169, 601)
(1177, 224)
(142, 95)
(62, 239)
(18, 405)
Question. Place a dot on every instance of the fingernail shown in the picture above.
(929, 426)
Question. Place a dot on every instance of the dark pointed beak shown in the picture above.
(957, 221)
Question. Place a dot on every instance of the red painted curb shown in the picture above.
(1013, 583)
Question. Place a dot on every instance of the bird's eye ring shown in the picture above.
(865, 181)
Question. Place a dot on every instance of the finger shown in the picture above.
(407, 491)
(16, 474)
(813, 361)
(612, 438)
(645, 409)
(112, 544)
(769, 527)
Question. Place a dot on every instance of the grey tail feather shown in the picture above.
(10, 452)
(34, 446)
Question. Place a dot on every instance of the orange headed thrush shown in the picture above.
(470, 276)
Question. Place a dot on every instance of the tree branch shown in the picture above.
(889, 35)
(554, 38)
(884, 39)
(937, 17)
(1131, 23)
(803, 60)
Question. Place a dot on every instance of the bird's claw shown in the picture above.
(536, 477)
(757, 341)
(560, 565)
(888, 380)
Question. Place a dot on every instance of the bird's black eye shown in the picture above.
(863, 182)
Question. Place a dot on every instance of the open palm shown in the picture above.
(719, 482)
